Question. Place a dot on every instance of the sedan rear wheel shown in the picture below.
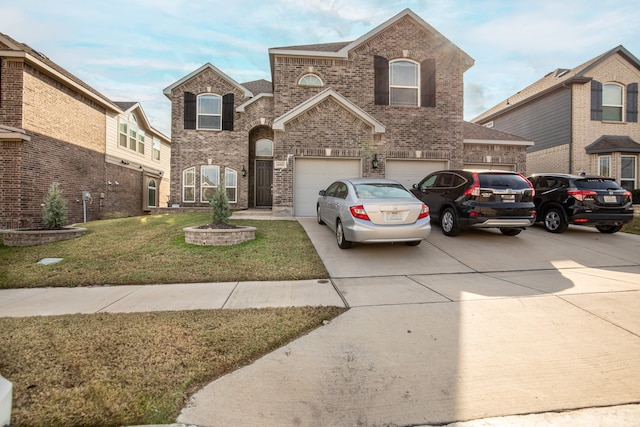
(609, 229)
(554, 221)
(449, 223)
(320, 221)
(342, 242)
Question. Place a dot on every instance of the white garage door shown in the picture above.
(313, 175)
(409, 172)
(499, 166)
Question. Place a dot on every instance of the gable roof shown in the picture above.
(12, 48)
(247, 93)
(280, 122)
(554, 80)
(342, 49)
(128, 107)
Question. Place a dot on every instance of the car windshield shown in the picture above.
(381, 191)
(597, 184)
(502, 180)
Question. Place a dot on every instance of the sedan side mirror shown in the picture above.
(321, 192)
(415, 186)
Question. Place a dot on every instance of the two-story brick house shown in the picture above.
(56, 128)
(582, 120)
(389, 104)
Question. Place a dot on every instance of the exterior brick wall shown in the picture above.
(11, 93)
(500, 154)
(10, 184)
(554, 159)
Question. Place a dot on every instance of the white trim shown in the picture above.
(498, 142)
(280, 122)
(241, 108)
(247, 93)
(8, 132)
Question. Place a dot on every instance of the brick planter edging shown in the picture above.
(19, 237)
(218, 237)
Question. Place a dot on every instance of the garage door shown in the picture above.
(499, 166)
(409, 172)
(313, 175)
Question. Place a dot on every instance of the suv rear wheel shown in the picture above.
(609, 229)
(554, 220)
(449, 222)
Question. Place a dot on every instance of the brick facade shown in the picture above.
(331, 128)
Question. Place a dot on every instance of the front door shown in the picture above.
(264, 182)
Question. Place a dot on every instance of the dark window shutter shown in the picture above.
(381, 67)
(428, 83)
(596, 100)
(190, 112)
(227, 112)
(632, 102)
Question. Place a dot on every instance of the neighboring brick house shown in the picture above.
(583, 120)
(55, 128)
(389, 104)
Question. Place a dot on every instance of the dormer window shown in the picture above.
(310, 80)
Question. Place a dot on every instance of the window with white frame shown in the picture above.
(152, 193)
(310, 80)
(189, 185)
(209, 181)
(231, 184)
(156, 149)
(130, 135)
(210, 112)
(604, 166)
(628, 172)
(264, 148)
(141, 136)
(404, 83)
(612, 102)
(123, 131)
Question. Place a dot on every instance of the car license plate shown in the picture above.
(509, 198)
(393, 216)
(610, 199)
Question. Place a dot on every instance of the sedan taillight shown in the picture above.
(582, 194)
(424, 212)
(359, 212)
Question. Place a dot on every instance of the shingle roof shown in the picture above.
(554, 80)
(613, 143)
(476, 131)
(321, 47)
(16, 46)
(259, 86)
(124, 106)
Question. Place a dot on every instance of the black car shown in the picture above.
(563, 199)
(460, 199)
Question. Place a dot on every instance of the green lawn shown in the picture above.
(141, 368)
(152, 250)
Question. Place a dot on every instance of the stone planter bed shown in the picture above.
(204, 236)
(32, 237)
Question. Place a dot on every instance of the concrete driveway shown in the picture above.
(477, 326)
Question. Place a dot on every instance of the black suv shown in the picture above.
(461, 199)
(563, 199)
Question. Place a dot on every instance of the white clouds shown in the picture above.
(133, 49)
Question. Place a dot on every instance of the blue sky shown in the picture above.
(131, 50)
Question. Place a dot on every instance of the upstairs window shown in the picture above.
(612, 102)
(130, 135)
(310, 80)
(123, 129)
(404, 83)
(210, 112)
(156, 149)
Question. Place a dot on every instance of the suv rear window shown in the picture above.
(503, 180)
(596, 184)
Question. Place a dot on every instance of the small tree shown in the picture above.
(55, 207)
(220, 211)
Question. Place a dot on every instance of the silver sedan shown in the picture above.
(373, 210)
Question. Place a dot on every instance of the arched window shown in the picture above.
(152, 192)
(310, 80)
(209, 111)
(264, 148)
(404, 82)
(612, 102)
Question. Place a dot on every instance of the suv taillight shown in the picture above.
(582, 194)
(424, 212)
(473, 189)
(359, 212)
(533, 190)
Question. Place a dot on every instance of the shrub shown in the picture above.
(220, 211)
(55, 207)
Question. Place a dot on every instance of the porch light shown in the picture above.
(374, 162)
(244, 171)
